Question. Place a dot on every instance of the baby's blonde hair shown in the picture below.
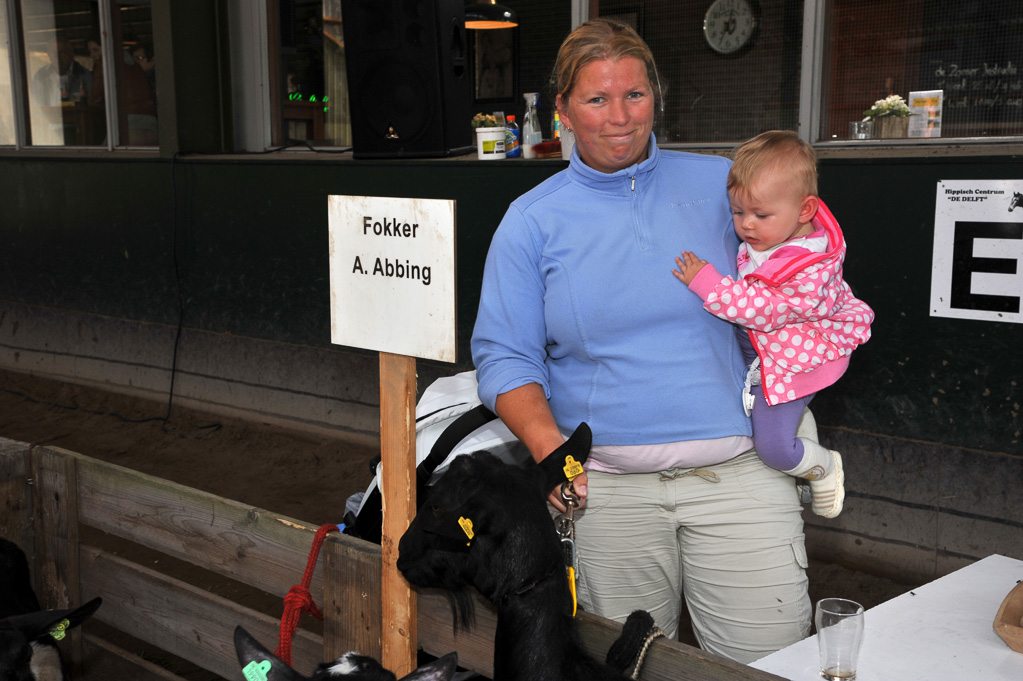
(771, 151)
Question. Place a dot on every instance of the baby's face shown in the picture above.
(769, 213)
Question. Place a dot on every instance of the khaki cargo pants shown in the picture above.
(729, 537)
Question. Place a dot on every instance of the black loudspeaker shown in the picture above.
(408, 78)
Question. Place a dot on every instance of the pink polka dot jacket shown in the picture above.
(801, 315)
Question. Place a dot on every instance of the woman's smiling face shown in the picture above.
(611, 112)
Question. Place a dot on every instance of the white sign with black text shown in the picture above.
(977, 266)
(392, 275)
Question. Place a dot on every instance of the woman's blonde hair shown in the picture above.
(596, 40)
(775, 149)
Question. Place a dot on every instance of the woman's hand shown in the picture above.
(688, 267)
(578, 488)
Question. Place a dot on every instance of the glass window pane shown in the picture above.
(968, 53)
(59, 68)
(314, 85)
(522, 58)
(135, 70)
(730, 81)
(6, 94)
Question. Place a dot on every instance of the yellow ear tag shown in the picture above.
(256, 671)
(466, 526)
(571, 587)
(572, 467)
(60, 629)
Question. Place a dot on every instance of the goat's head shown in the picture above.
(28, 648)
(485, 524)
(259, 664)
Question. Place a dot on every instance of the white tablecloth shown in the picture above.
(939, 632)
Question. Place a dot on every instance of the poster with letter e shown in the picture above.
(392, 275)
(977, 266)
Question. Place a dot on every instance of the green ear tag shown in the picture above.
(60, 629)
(572, 467)
(256, 671)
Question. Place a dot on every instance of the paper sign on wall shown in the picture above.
(392, 275)
(977, 266)
(926, 107)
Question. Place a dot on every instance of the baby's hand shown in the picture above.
(688, 266)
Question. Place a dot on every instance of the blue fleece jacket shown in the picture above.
(578, 297)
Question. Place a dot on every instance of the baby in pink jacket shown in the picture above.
(801, 317)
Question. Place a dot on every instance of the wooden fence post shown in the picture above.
(351, 599)
(55, 509)
(398, 494)
(15, 497)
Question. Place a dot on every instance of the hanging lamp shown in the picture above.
(488, 14)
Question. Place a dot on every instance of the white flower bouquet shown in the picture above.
(892, 105)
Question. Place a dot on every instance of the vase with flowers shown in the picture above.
(890, 116)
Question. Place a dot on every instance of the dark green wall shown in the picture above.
(239, 245)
(245, 240)
(929, 378)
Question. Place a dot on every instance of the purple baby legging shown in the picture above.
(774, 431)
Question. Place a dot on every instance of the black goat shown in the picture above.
(28, 635)
(259, 664)
(485, 524)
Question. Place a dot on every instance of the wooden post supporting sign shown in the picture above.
(392, 289)
(398, 479)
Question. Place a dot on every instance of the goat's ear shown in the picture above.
(441, 669)
(84, 612)
(53, 622)
(453, 530)
(565, 462)
(258, 663)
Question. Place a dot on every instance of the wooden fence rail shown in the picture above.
(51, 496)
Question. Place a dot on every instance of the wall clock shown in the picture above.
(730, 25)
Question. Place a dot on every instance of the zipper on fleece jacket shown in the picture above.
(637, 222)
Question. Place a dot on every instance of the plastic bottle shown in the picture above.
(531, 132)
(512, 146)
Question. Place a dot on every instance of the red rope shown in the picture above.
(299, 600)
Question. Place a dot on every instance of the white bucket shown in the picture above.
(490, 143)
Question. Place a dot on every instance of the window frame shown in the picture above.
(253, 73)
(14, 62)
(811, 107)
(109, 78)
(256, 106)
(20, 80)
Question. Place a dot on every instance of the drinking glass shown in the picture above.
(861, 130)
(839, 635)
